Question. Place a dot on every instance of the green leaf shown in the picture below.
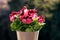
(36, 26)
(28, 30)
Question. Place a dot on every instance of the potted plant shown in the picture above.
(27, 23)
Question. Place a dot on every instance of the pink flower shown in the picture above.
(31, 11)
(35, 16)
(26, 12)
(23, 10)
(24, 20)
(41, 19)
(29, 21)
(21, 17)
(13, 16)
(34, 10)
(24, 7)
(32, 14)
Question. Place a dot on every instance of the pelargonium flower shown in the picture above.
(28, 17)
(31, 10)
(26, 12)
(27, 21)
(35, 16)
(22, 10)
(21, 17)
(24, 20)
(13, 16)
(34, 10)
(41, 19)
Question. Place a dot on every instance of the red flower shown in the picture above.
(13, 15)
(24, 20)
(41, 19)
(31, 11)
(24, 7)
(22, 10)
(29, 21)
(35, 16)
(34, 10)
(21, 17)
(26, 12)
(12, 18)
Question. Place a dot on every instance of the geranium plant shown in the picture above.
(26, 20)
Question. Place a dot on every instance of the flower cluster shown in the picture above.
(27, 17)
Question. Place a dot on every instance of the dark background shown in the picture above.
(51, 31)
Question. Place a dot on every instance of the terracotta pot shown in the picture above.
(27, 35)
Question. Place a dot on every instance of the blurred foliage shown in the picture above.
(46, 7)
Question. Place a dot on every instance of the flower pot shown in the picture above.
(27, 35)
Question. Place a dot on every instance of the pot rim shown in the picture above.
(25, 32)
